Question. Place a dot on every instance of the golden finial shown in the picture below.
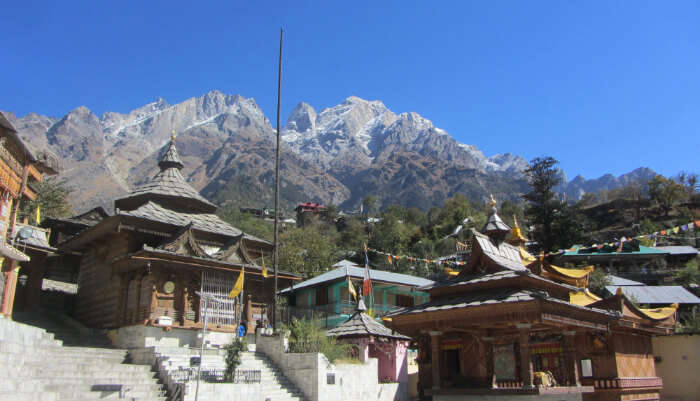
(492, 202)
(172, 135)
(515, 221)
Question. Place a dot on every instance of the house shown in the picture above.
(326, 296)
(308, 213)
(20, 170)
(148, 266)
(631, 261)
(501, 330)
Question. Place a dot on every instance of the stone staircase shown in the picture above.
(37, 367)
(64, 328)
(273, 383)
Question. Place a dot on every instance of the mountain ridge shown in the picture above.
(337, 155)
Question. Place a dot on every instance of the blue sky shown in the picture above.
(602, 86)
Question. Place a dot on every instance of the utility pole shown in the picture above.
(277, 185)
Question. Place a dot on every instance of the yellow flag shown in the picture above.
(263, 266)
(38, 214)
(238, 287)
(351, 289)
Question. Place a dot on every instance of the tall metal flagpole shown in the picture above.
(277, 184)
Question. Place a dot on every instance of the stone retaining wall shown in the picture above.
(320, 380)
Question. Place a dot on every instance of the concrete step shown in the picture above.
(67, 392)
(28, 396)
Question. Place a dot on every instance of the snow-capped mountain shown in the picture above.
(361, 131)
(338, 155)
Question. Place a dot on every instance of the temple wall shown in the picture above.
(98, 289)
(507, 397)
(634, 356)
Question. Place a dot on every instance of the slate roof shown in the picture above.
(359, 272)
(497, 296)
(169, 183)
(208, 222)
(501, 275)
(505, 254)
(361, 324)
(663, 294)
(488, 297)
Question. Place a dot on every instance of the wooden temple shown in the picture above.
(511, 325)
(144, 265)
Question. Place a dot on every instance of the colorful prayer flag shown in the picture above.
(38, 214)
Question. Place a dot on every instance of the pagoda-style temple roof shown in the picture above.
(656, 320)
(169, 186)
(165, 205)
(361, 324)
(493, 253)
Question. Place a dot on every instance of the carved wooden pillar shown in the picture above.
(526, 372)
(435, 355)
(249, 314)
(572, 375)
(490, 374)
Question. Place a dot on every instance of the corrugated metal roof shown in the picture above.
(664, 294)
(679, 249)
(359, 272)
(619, 281)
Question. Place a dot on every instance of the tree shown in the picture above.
(308, 250)
(353, 236)
(541, 203)
(688, 275)
(52, 195)
(370, 204)
(665, 192)
(597, 281)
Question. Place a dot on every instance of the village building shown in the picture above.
(20, 170)
(501, 329)
(145, 266)
(309, 213)
(326, 297)
(632, 260)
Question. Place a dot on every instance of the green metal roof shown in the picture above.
(608, 250)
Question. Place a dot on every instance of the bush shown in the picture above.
(233, 357)
(307, 336)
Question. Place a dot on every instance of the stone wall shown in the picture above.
(320, 380)
(140, 336)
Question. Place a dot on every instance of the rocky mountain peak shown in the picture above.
(302, 118)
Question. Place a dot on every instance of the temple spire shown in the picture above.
(495, 228)
(171, 158)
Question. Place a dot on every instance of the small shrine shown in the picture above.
(510, 324)
(374, 340)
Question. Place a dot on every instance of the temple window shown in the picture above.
(586, 368)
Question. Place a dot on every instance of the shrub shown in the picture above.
(233, 357)
(307, 336)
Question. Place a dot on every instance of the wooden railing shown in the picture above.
(624, 382)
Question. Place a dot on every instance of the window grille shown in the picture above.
(218, 285)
